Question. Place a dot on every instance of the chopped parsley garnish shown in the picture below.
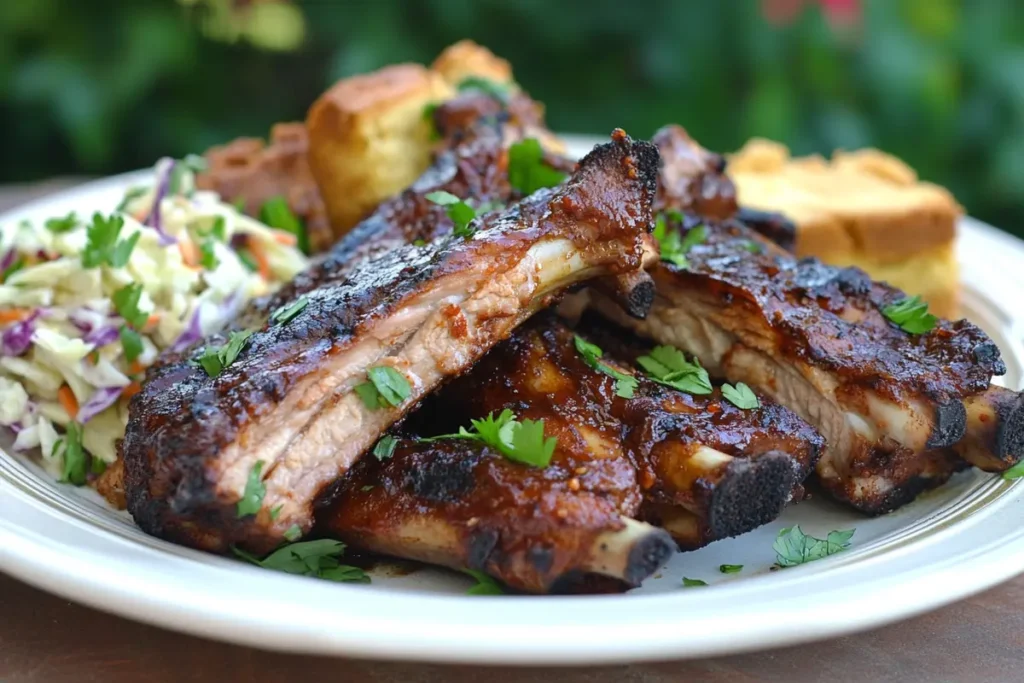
(102, 245)
(693, 583)
(792, 546)
(75, 466)
(385, 448)
(461, 213)
(740, 396)
(485, 585)
(275, 512)
(625, 384)
(131, 342)
(65, 224)
(386, 386)
(499, 91)
(1015, 472)
(293, 533)
(668, 365)
(219, 229)
(673, 247)
(252, 498)
(126, 303)
(130, 196)
(207, 254)
(276, 213)
(521, 442)
(215, 358)
(319, 559)
(730, 568)
(285, 314)
(911, 315)
(527, 171)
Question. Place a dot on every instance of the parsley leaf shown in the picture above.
(319, 559)
(1015, 472)
(276, 213)
(499, 91)
(625, 385)
(386, 385)
(215, 358)
(208, 256)
(131, 342)
(485, 585)
(75, 465)
(293, 533)
(521, 442)
(792, 546)
(65, 224)
(252, 497)
(911, 315)
(693, 583)
(461, 213)
(740, 396)
(674, 248)
(126, 302)
(527, 171)
(286, 313)
(668, 365)
(210, 361)
(730, 568)
(102, 245)
(385, 448)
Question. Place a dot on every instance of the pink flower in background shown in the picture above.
(840, 13)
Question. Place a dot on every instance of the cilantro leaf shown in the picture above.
(210, 361)
(123, 251)
(693, 583)
(740, 396)
(521, 442)
(65, 224)
(911, 315)
(385, 448)
(730, 568)
(527, 171)
(461, 213)
(75, 464)
(101, 239)
(672, 246)
(668, 365)
(485, 585)
(529, 445)
(368, 393)
(276, 213)
(252, 497)
(218, 231)
(319, 559)
(126, 303)
(131, 342)
(286, 313)
(208, 256)
(391, 385)
(293, 533)
(236, 342)
(625, 385)
(792, 546)
(1015, 472)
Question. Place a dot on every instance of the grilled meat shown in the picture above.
(460, 504)
(194, 442)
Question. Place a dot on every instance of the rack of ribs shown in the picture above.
(286, 417)
(709, 468)
(901, 412)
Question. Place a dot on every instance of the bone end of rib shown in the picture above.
(633, 292)
(630, 554)
(950, 425)
(995, 429)
(752, 493)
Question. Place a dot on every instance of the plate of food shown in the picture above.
(420, 379)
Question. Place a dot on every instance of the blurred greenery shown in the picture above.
(108, 85)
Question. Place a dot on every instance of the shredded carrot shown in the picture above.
(285, 238)
(260, 256)
(131, 390)
(189, 253)
(153, 319)
(68, 401)
(136, 367)
(13, 315)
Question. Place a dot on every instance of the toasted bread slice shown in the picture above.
(863, 208)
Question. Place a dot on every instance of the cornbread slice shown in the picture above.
(865, 208)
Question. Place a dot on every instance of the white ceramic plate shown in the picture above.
(959, 540)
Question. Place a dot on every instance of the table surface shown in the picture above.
(45, 639)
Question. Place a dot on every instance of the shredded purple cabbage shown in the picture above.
(15, 427)
(154, 220)
(101, 399)
(17, 338)
(192, 333)
(8, 260)
(102, 336)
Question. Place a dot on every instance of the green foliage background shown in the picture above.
(100, 86)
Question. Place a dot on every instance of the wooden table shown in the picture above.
(44, 639)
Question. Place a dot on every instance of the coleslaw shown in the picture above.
(88, 303)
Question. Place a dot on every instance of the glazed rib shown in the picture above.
(429, 312)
